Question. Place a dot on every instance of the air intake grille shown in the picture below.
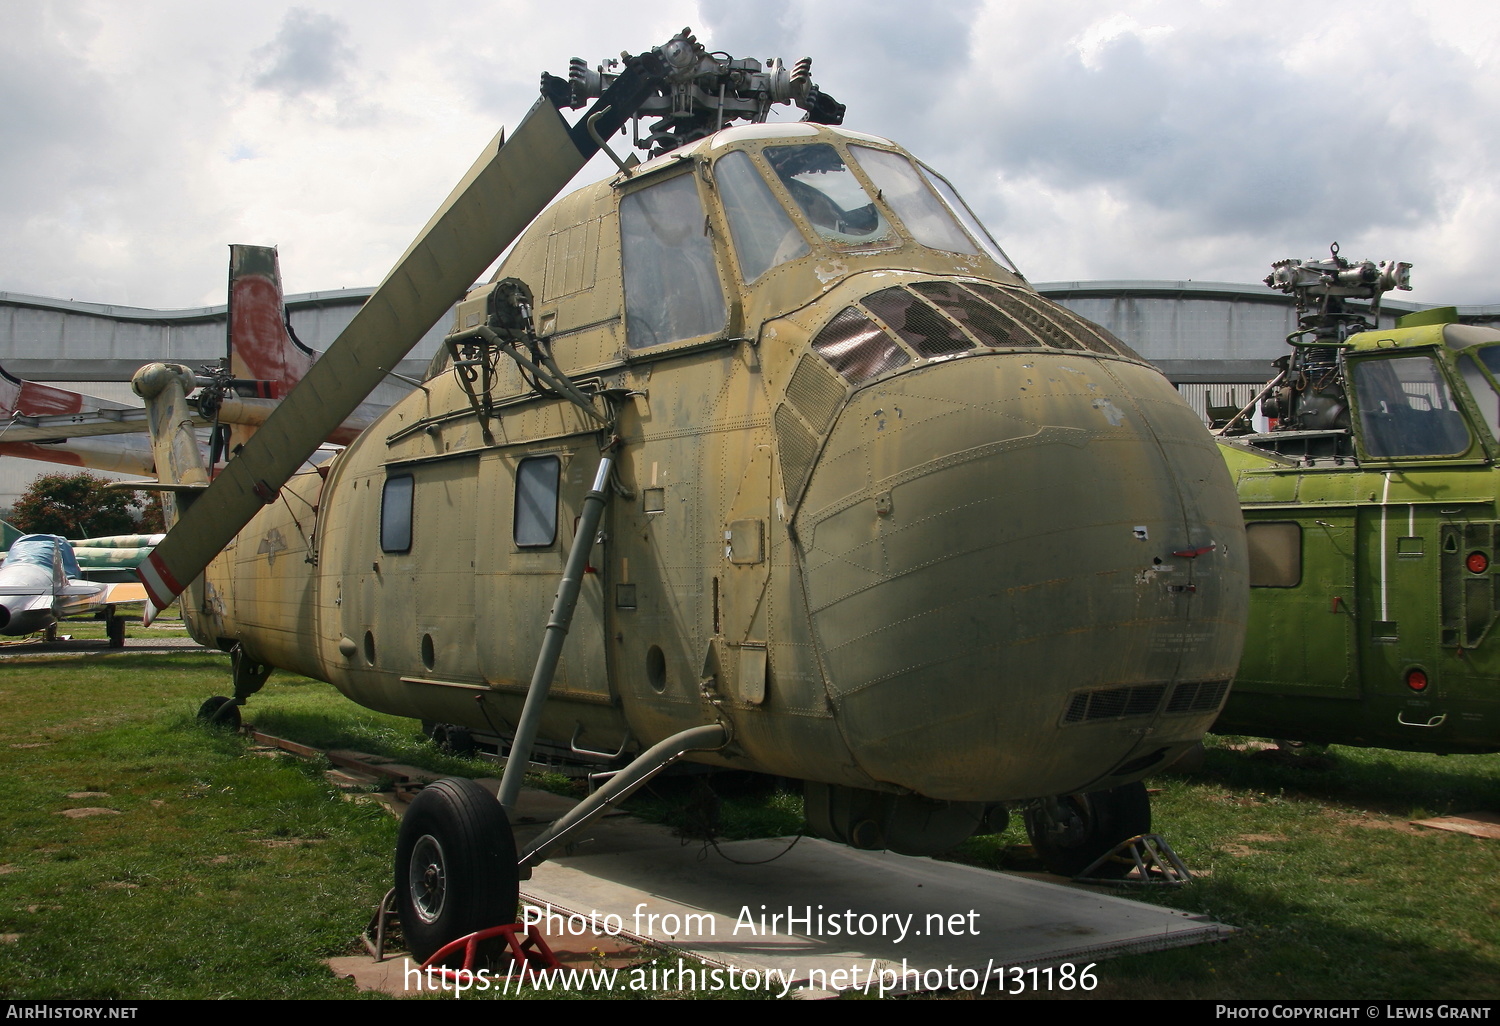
(857, 347)
(797, 448)
(919, 325)
(984, 322)
(1115, 703)
(1198, 696)
(815, 393)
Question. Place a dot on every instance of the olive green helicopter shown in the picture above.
(770, 431)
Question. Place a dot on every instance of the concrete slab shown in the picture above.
(833, 918)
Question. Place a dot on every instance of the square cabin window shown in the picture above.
(536, 502)
(395, 514)
(1275, 554)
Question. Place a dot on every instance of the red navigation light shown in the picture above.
(1477, 562)
(1416, 679)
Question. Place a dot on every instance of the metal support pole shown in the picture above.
(557, 633)
(622, 785)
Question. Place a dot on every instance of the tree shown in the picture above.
(75, 506)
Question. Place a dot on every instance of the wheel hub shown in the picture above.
(428, 878)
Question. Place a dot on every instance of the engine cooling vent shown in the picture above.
(815, 393)
(857, 347)
(1114, 703)
(1198, 696)
(797, 448)
(919, 325)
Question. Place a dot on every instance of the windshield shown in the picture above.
(828, 194)
(1407, 409)
(928, 220)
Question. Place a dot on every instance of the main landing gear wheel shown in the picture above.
(1070, 833)
(456, 866)
(219, 711)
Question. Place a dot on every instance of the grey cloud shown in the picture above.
(1221, 131)
(309, 54)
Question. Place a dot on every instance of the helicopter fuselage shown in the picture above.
(895, 521)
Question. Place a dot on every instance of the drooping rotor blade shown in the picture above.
(508, 186)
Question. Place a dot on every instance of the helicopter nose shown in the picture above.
(996, 560)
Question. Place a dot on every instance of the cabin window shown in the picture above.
(1407, 409)
(395, 513)
(928, 220)
(536, 501)
(966, 218)
(672, 289)
(763, 234)
(1275, 554)
(1482, 388)
(829, 195)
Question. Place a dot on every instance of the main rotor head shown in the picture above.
(701, 92)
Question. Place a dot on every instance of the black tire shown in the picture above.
(215, 714)
(1070, 834)
(114, 629)
(455, 866)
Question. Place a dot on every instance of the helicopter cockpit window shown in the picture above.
(1482, 386)
(395, 514)
(672, 289)
(764, 235)
(536, 502)
(828, 194)
(928, 220)
(1407, 409)
(966, 217)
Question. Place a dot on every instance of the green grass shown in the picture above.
(219, 872)
(223, 873)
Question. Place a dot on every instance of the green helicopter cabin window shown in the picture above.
(1407, 409)
(536, 502)
(395, 513)
(1275, 554)
(672, 289)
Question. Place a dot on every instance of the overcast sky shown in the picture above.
(1171, 139)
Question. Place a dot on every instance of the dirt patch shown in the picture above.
(81, 813)
(9, 867)
(1239, 851)
(120, 885)
(1261, 838)
(89, 794)
(288, 842)
(1379, 823)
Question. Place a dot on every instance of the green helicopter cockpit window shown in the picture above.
(828, 194)
(1482, 386)
(672, 289)
(928, 220)
(764, 235)
(1407, 409)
